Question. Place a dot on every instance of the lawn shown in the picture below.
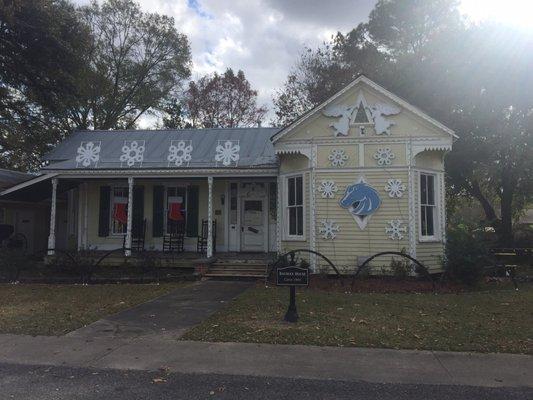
(489, 321)
(58, 309)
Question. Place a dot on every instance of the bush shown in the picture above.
(466, 254)
(12, 261)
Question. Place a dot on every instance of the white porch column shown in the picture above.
(127, 252)
(53, 207)
(210, 217)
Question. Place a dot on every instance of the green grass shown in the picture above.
(491, 321)
(58, 309)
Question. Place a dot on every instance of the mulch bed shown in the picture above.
(381, 285)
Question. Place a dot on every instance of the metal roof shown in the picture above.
(9, 178)
(250, 147)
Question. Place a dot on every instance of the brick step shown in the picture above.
(236, 271)
(237, 266)
(237, 275)
(239, 262)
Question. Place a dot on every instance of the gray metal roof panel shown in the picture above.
(256, 149)
(9, 178)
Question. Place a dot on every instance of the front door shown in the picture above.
(253, 233)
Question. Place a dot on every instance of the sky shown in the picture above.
(265, 37)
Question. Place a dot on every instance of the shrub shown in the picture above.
(466, 254)
(400, 268)
(12, 260)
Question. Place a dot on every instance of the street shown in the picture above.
(47, 383)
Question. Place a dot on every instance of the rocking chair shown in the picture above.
(173, 241)
(201, 244)
(138, 234)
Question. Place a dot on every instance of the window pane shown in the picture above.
(292, 221)
(300, 220)
(299, 191)
(423, 189)
(430, 218)
(291, 188)
(431, 189)
(423, 226)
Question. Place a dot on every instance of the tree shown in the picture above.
(94, 67)
(320, 73)
(41, 44)
(174, 115)
(469, 77)
(224, 101)
(135, 61)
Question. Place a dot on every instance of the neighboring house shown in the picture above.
(26, 217)
(361, 173)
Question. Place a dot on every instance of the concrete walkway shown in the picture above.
(311, 362)
(167, 316)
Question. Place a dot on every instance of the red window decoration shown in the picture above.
(175, 208)
(120, 212)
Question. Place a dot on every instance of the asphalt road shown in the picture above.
(45, 383)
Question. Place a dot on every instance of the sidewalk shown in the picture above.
(311, 362)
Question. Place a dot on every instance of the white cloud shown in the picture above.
(261, 37)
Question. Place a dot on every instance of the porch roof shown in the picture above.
(255, 150)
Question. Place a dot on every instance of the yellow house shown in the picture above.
(360, 174)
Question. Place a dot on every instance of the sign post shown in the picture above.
(292, 276)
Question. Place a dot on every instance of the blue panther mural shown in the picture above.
(361, 200)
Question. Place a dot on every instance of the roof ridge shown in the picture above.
(176, 130)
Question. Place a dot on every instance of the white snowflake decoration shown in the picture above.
(328, 189)
(395, 188)
(329, 229)
(337, 157)
(132, 152)
(384, 156)
(227, 153)
(395, 230)
(179, 153)
(88, 152)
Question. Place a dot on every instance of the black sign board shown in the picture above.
(292, 276)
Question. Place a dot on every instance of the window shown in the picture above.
(119, 210)
(428, 208)
(2, 215)
(295, 208)
(176, 208)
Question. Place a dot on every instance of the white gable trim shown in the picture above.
(375, 86)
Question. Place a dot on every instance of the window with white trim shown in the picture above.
(176, 212)
(295, 207)
(428, 207)
(119, 210)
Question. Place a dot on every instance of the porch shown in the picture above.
(216, 215)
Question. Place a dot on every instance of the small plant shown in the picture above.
(84, 265)
(12, 260)
(400, 268)
(466, 254)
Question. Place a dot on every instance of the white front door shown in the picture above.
(253, 224)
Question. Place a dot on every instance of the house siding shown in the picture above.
(410, 135)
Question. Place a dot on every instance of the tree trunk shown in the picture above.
(506, 207)
(490, 213)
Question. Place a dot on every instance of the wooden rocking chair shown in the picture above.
(173, 241)
(201, 243)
